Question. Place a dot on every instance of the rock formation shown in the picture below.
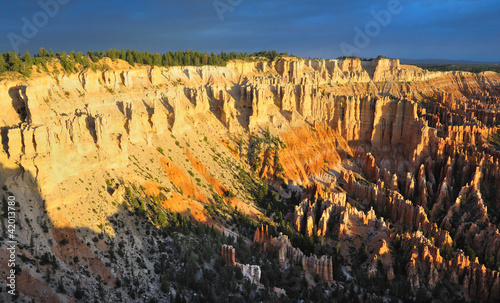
(253, 272)
(228, 254)
(323, 266)
(479, 283)
(385, 150)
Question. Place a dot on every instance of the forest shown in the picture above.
(76, 61)
(473, 68)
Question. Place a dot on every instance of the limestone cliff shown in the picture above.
(379, 153)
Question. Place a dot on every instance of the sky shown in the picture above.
(416, 29)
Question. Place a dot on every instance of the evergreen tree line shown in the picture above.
(473, 68)
(14, 62)
(361, 58)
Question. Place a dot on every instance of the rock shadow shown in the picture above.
(56, 262)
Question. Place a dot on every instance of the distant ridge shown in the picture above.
(443, 61)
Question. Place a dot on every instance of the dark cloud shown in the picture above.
(454, 29)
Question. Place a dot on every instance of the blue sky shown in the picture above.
(417, 29)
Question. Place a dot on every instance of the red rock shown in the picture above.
(228, 254)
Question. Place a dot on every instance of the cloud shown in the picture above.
(465, 29)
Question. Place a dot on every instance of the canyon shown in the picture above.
(389, 165)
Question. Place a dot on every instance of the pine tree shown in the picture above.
(204, 59)
(3, 64)
(13, 62)
(78, 57)
(165, 60)
(157, 59)
(129, 57)
(111, 53)
(147, 58)
(187, 59)
(122, 55)
(28, 62)
(90, 55)
(68, 65)
(43, 52)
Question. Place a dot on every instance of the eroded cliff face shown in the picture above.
(60, 126)
(103, 112)
(383, 147)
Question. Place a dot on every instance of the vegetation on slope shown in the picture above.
(361, 58)
(494, 141)
(76, 61)
(473, 68)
